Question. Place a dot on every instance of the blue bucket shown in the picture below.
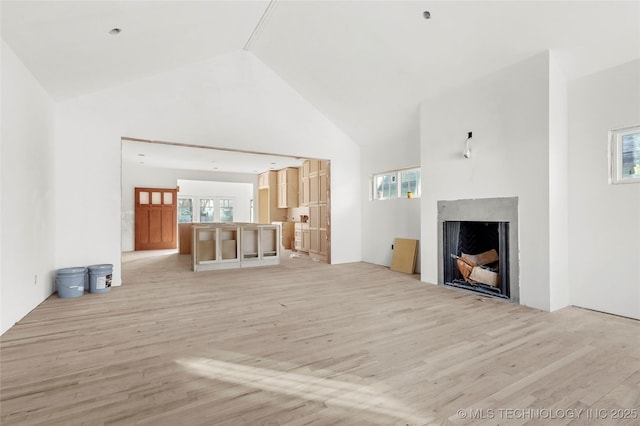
(70, 282)
(100, 278)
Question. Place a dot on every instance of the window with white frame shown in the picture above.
(410, 183)
(386, 186)
(185, 210)
(226, 210)
(207, 209)
(401, 183)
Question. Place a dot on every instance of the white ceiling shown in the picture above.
(162, 155)
(366, 65)
(67, 45)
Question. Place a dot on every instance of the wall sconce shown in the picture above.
(467, 150)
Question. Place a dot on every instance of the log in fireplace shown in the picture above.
(476, 256)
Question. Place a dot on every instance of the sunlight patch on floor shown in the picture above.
(329, 391)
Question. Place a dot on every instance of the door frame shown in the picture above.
(155, 223)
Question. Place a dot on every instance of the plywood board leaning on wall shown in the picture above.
(405, 252)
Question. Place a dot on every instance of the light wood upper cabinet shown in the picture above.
(303, 184)
(314, 166)
(305, 192)
(288, 188)
(263, 179)
(268, 208)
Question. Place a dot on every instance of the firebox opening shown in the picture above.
(476, 256)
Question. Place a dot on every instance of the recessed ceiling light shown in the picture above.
(215, 168)
(140, 155)
(115, 31)
(426, 14)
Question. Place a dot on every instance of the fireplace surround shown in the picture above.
(480, 225)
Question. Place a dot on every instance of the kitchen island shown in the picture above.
(234, 245)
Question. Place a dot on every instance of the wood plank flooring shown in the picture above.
(309, 343)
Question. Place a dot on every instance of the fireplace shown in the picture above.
(478, 246)
(476, 256)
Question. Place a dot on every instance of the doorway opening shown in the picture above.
(150, 164)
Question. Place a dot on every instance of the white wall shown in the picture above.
(384, 220)
(134, 175)
(558, 186)
(232, 101)
(28, 193)
(604, 230)
(508, 113)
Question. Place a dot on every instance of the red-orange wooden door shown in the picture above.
(156, 218)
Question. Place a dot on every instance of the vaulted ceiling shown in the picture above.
(366, 65)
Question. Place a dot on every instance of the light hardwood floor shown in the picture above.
(310, 343)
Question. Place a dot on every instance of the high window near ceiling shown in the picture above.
(399, 183)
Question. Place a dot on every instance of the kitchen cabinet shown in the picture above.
(207, 244)
(302, 240)
(288, 188)
(263, 180)
(225, 246)
(268, 210)
(184, 238)
(304, 184)
(306, 242)
(287, 234)
(318, 208)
